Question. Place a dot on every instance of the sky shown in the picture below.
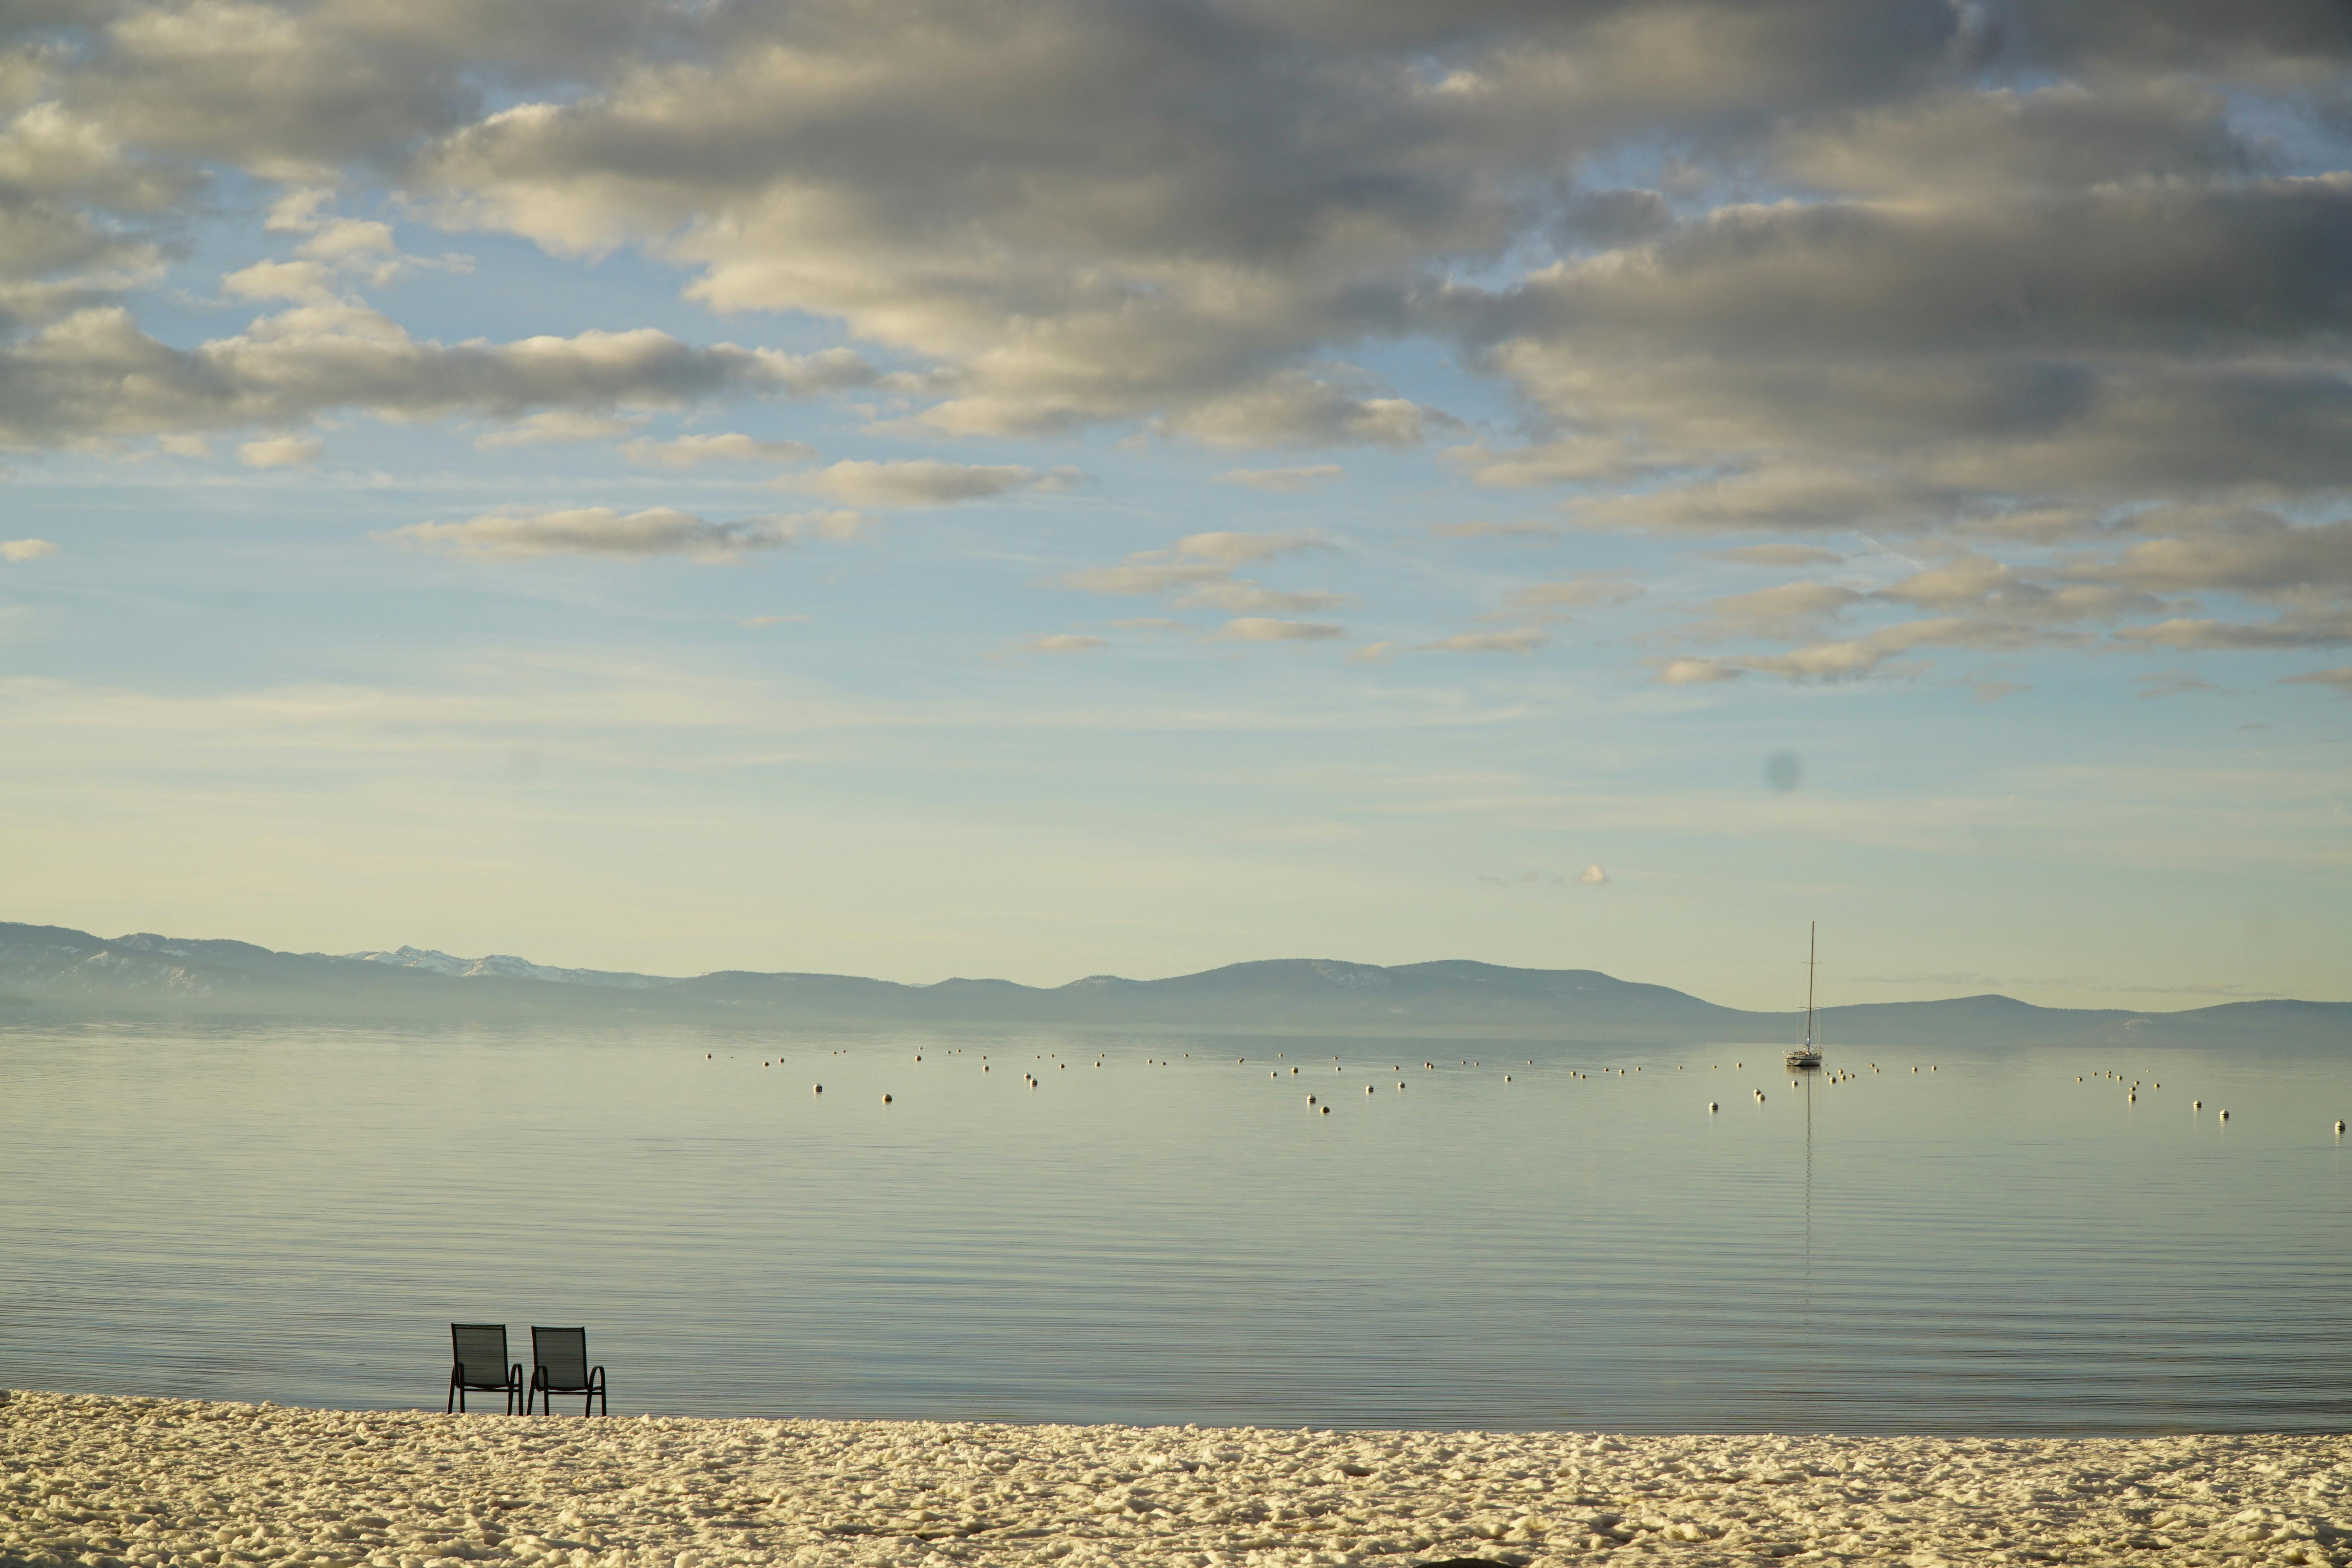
(924, 489)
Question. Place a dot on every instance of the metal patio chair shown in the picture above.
(559, 1359)
(477, 1360)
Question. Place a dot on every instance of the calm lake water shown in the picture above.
(297, 1213)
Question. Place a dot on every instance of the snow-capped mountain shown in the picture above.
(505, 967)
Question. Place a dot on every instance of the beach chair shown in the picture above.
(559, 1362)
(477, 1360)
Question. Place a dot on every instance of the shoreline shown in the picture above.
(98, 1481)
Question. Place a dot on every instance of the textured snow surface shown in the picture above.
(99, 1482)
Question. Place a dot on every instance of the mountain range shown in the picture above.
(53, 971)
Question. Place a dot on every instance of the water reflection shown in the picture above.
(297, 1214)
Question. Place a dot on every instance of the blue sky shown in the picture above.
(918, 490)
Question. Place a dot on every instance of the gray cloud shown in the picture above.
(2019, 273)
(95, 373)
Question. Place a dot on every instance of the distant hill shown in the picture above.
(48, 971)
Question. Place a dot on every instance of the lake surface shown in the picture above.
(1983, 1245)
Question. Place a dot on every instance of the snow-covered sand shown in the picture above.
(99, 1482)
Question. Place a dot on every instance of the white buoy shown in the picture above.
(2196, 1105)
(820, 1089)
(1710, 1105)
(2225, 1116)
(1326, 1110)
(2339, 1128)
(886, 1099)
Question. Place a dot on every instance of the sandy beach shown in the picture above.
(102, 1482)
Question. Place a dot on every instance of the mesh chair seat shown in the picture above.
(559, 1360)
(477, 1360)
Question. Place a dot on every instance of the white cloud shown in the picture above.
(2340, 678)
(17, 552)
(602, 531)
(1241, 596)
(691, 451)
(553, 426)
(1061, 643)
(1551, 601)
(1283, 481)
(761, 623)
(1231, 550)
(1781, 555)
(280, 451)
(1374, 653)
(1688, 671)
(1531, 532)
(1520, 640)
(1263, 628)
(923, 481)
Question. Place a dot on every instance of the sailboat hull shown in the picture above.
(1804, 1058)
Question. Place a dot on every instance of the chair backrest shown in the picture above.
(564, 1352)
(480, 1352)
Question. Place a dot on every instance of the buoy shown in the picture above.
(1326, 1110)
(2225, 1116)
(820, 1089)
(1310, 1099)
(1710, 1105)
(2196, 1105)
(2339, 1127)
(886, 1099)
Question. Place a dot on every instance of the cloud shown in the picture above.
(2247, 552)
(2013, 275)
(1373, 653)
(761, 623)
(2170, 683)
(17, 552)
(692, 451)
(555, 425)
(1060, 643)
(605, 531)
(1283, 481)
(1200, 568)
(2327, 627)
(2340, 678)
(94, 374)
(923, 481)
(1521, 640)
(1532, 532)
(1242, 596)
(1551, 601)
(1688, 671)
(1260, 629)
(280, 451)
(1782, 555)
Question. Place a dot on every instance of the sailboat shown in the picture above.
(1807, 1055)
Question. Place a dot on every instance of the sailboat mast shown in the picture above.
(1812, 931)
